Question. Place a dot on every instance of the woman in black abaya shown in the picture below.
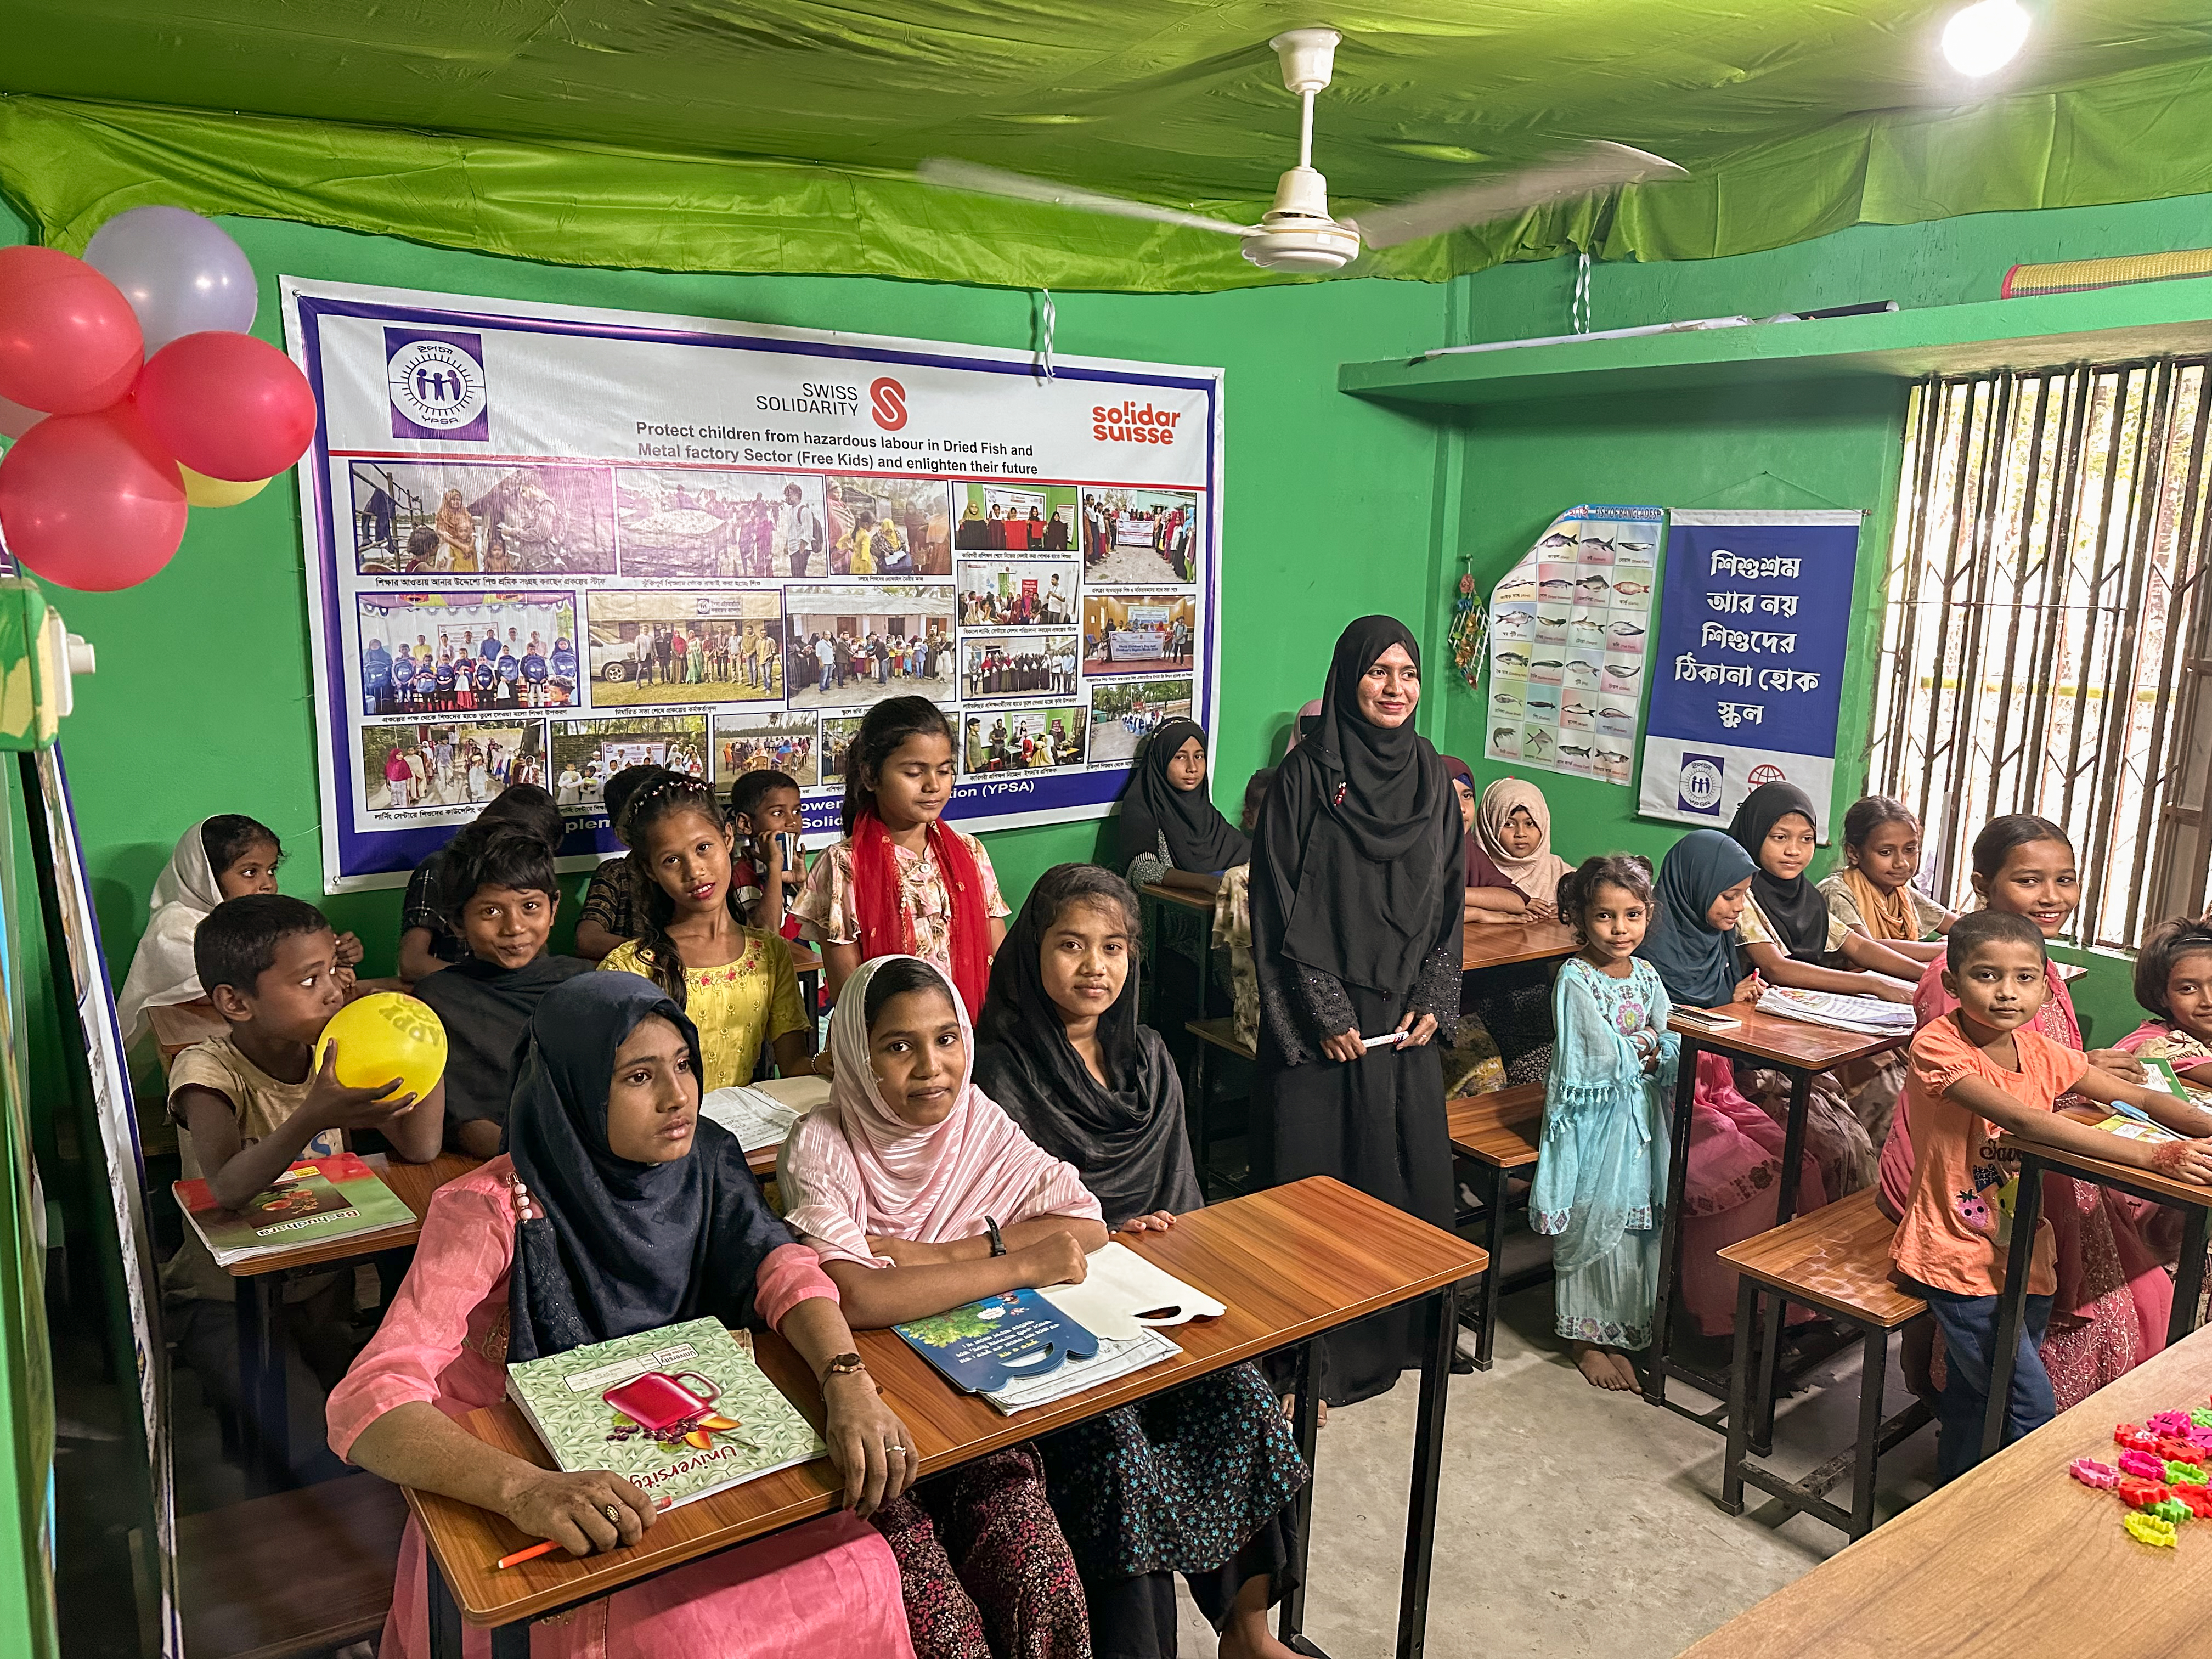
(1355, 900)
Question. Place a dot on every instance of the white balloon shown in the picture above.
(181, 272)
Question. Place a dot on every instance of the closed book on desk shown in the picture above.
(313, 1202)
(681, 1411)
(1017, 1350)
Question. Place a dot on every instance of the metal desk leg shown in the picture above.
(1874, 1378)
(1305, 1426)
(1769, 1345)
(265, 1425)
(1739, 1415)
(1198, 1119)
(445, 1611)
(2188, 1274)
(1493, 1232)
(2012, 1301)
(1428, 1465)
(1670, 1222)
(1148, 923)
(511, 1641)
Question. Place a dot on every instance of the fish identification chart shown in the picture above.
(1570, 628)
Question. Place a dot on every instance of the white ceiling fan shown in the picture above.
(1297, 233)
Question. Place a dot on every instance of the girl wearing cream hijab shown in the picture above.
(1514, 823)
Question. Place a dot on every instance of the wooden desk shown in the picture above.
(1801, 1050)
(1497, 945)
(2194, 1200)
(1155, 902)
(1921, 1586)
(1292, 1263)
(265, 1422)
(180, 1025)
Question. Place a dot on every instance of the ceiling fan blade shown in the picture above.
(1578, 171)
(949, 174)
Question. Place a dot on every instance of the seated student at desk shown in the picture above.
(505, 895)
(252, 1103)
(1063, 1054)
(1505, 1035)
(1979, 1068)
(224, 857)
(2115, 1295)
(617, 1210)
(1790, 937)
(737, 982)
(1513, 822)
(1172, 835)
(1733, 1173)
(428, 942)
(919, 1193)
(2173, 986)
(610, 912)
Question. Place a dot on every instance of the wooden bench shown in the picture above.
(1836, 1258)
(298, 1572)
(1198, 1116)
(1496, 1133)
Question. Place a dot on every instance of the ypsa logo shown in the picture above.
(1134, 423)
(1767, 772)
(436, 382)
(1698, 790)
(887, 402)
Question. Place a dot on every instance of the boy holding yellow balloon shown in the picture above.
(277, 1089)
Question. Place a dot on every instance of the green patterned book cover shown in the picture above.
(681, 1411)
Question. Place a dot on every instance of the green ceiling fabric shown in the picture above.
(775, 135)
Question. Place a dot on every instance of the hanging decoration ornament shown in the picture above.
(132, 392)
(1470, 627)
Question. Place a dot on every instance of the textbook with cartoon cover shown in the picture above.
(681, 1411)
(313, 1202)
(1017, 1350)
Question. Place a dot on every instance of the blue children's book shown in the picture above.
(988, 1347)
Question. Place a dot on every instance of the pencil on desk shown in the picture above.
(547, 1547)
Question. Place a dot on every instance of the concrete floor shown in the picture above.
(1569, 1520)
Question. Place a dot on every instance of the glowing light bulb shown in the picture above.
(1983, 37)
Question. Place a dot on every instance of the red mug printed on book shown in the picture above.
(660, 1400)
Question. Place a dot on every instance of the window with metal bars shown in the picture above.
(2048, 644)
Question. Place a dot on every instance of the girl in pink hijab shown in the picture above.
(919, 1193)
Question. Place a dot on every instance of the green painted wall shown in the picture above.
(202, 701)
(1508, 469)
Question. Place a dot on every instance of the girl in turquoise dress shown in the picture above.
(1601, 1180)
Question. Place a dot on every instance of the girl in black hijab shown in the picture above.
(1786, 930)
(1356, 894)
(1169, 824)
(620, 1210)
(1059, 1047)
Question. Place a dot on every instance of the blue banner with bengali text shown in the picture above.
(1746, 679)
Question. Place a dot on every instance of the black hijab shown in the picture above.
(1361, 833)
(1794, 908)
(1200, 839)
(621, 1247)
(486, 1010)
(1125, 1138)
(1698, 965)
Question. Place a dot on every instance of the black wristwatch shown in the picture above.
(991, 1230)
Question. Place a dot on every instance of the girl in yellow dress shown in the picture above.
(736, 982)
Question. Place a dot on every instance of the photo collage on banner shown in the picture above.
(545, 544)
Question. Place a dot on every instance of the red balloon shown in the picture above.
(69, 340)
(92, 502)
(226, 405)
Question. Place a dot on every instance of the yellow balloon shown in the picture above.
(384, 1037)
(200, 490)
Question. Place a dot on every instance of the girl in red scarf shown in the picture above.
(903, 882)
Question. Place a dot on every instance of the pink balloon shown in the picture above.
(92, 502)
(226, 405)
(69, 340)
(16, 420)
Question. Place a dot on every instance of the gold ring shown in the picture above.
(613, 1515)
